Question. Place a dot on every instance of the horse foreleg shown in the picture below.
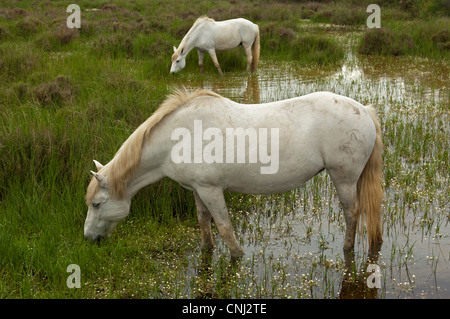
(213, 55)
(248, 53)
(204, 220)
(215, 202)
(200, 60)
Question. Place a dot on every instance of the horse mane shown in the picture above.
(188, 34)
(127, 159)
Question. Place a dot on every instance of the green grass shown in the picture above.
(425, 38)
(70, 96)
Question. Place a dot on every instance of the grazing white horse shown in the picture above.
(207, 35)
(310, 133)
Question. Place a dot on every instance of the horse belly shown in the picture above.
(296, 164)
(226, 36)
(226, 42)
(270, 184)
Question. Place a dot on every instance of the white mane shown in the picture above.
(188, 34)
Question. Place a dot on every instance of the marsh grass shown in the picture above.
(426, 38)
(286, 43)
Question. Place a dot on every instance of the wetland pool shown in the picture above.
(293, 241)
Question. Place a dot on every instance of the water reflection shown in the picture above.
(252, 94)
(380, 80)
(236, 87)
(212, 283)
(206, 281)
(355, 282)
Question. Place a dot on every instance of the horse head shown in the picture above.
(178, 60)
(104, 211)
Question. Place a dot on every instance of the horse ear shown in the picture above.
(174, 49)
(101, 179)
(98, 165)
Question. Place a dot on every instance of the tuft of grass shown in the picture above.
(426, 38)
(27, 26)
(59, 36)
(117, 45)
(284, 43)
(340, 15)
(55, 92)
(317, 50)
(384, 41)
(17, 61)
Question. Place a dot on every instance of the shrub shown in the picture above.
(54, 92)
(434, 7)
(115, 45)
(4, 33)
(340, 16)
(17, 61)
(286, 34)
(27, 26)
(60, 35)
(310, 49)
(442, 39)
(17, 92)
(317, 50)
(384, 41)
(154, 45)
(13, 13)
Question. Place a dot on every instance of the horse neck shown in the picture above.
(189, 41)
(185, 44)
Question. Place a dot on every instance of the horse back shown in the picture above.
(229, 34)
(316, 131)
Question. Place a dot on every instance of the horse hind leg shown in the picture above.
(200, 60)
(248, 53)
(347, 196)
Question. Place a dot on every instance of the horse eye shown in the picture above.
(96, 205)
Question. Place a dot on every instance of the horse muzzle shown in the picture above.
(94, 238)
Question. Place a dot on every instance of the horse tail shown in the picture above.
(255, 51)
(369, 188)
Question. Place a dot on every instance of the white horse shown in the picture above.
(207, 35)
(313, 132)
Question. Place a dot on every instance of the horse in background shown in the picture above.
(208, 35)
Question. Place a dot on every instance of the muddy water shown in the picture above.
(293, 242)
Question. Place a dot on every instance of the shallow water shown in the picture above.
(293, 242)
